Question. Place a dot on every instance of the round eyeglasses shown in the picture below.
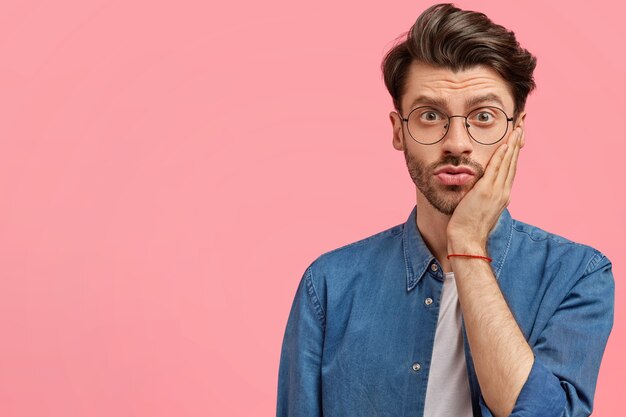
(486, 125)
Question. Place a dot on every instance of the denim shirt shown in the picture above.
(359, 337)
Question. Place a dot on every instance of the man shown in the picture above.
(462, 310)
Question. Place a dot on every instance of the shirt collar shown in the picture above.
(417, 256)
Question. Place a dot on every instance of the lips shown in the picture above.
(454, 170)
(454, 175)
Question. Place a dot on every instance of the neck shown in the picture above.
(432, 225)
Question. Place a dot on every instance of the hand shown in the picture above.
(478, 211)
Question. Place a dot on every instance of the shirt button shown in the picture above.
(428, 301)
(434, 267)
(416, 366)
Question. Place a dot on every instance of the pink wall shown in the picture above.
(167, 172)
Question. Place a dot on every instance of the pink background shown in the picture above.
(169, 169)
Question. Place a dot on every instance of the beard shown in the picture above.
(444, 198)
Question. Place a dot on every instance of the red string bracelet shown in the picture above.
(470, 256)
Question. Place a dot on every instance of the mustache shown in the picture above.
(456, 160)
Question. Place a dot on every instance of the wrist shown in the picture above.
(469, 256)
(467, 247)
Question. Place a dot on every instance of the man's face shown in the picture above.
(444, 172)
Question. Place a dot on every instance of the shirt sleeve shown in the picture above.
(568, 353)
(299, 376)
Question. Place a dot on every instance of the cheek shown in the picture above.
(419, 152)
(513, 132)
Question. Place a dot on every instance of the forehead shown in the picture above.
(456, 91)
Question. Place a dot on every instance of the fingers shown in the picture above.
(505, 174)
(513, 167)
(493, 167)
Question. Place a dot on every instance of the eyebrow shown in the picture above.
(469, 103)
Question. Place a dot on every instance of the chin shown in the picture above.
(447, 201)
(447, 208)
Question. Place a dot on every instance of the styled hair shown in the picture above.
(446, 36)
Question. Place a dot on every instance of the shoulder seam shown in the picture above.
(313, 297)
(392, 231)
(594, 261)
(561, 240)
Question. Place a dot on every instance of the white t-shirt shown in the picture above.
(448, 392)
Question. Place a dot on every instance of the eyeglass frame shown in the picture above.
(406, 120)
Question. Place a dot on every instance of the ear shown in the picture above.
(398, 134)
(520, 123)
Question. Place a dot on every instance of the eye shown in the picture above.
(484, 117)
(430, 116)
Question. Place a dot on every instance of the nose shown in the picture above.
(457, 140)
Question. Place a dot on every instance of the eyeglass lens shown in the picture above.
(486, 125)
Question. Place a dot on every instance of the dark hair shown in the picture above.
(446, 36)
